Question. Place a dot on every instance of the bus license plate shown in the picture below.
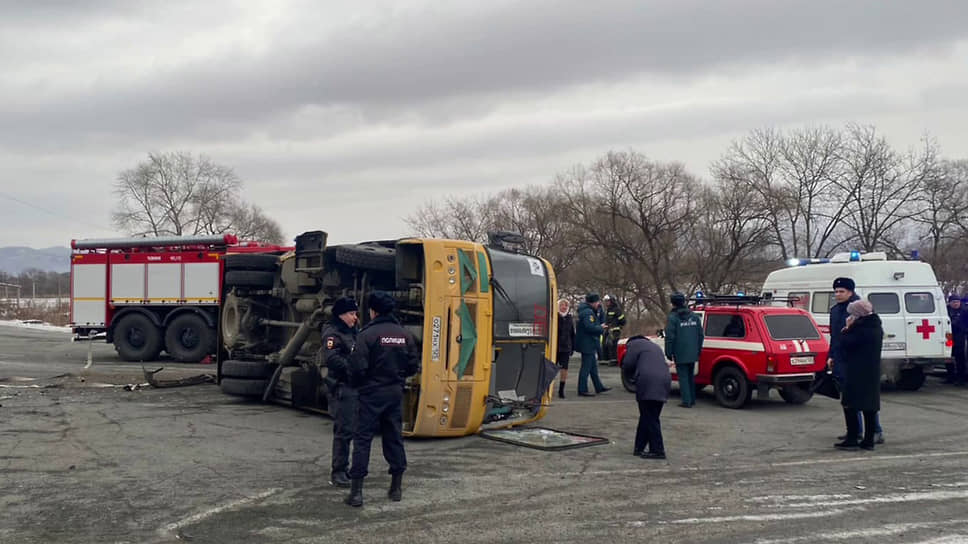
(801, 360)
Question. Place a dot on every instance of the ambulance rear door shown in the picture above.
(925, 322)
(887, 304)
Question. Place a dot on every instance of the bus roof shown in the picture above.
(864, 274)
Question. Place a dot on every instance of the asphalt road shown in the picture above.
(85, 462)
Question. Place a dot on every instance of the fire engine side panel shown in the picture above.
(164, 283)
(127, 283)
(88, 283)
(201, 283)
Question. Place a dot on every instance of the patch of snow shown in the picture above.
(33, 324)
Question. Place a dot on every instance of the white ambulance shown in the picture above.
(905, 294)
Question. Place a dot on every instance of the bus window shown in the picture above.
(520, 296)
(919, 303)
(823, 301)
(885, 303)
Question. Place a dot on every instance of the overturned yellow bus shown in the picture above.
(481, 313)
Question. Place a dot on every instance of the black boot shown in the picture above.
(561, 390)
(339, 479)
(355, 498)
(396, 488)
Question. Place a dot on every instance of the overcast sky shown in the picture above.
(346, 116)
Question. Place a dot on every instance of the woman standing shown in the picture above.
(861, 341)
(566, 343)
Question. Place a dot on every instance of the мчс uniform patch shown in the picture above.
(330, 342)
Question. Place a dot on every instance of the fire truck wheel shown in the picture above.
(798, 393)
(911, 379)
(247, 369)
(253, 261)
(732, 389)
(371, 257)
(189, 339)
(243, 387)
(136, 338)
(250, 278)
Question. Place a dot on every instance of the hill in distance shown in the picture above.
(14, 260)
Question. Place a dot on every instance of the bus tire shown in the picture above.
(243, 388)
(251, 261)
(911, 379)
(260, 279)
(247, 369)
(732, 389)
(137, 338)
(371, 257)
(189, 339)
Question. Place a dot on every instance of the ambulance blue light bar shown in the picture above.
(805, 262)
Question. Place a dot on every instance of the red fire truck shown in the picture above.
(152, 294)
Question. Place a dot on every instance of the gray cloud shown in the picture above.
(393, 66)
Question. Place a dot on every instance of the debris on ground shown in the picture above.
(181, 382)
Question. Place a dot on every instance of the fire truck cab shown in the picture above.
(148, 295)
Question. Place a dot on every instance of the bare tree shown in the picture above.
(883, 189)
(179, 194)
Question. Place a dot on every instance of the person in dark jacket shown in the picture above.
(566, 343)
(339, 337)
(957, 370)
(588, 337)
(683, 344)
(385, 355)
(646, 365)
(861, 343)
(614, 321)
(844, 294)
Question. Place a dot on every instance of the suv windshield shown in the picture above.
(791, 327)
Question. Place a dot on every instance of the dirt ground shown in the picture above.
(85, 461)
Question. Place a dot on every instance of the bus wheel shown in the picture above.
(189, 339)
(136, 338)
(243, 388)
(260, 370)
(251, 261)
(911, 379)
(732, 389)
(371, 257)
(798, 393)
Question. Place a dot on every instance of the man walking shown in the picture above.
(339, 337)
(385, 355)
(957, 370)
(843, 295)
(683, 344)
(588, 336)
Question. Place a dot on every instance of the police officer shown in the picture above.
(384, 356)
(339, 337)
(958, 370)
(614, 321)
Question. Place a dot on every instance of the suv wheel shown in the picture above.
(797, 393)
(732, 389)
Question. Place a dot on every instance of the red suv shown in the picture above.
(750, 347)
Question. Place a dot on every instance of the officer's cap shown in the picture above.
(343, 305)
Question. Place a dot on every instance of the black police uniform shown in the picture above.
(338, 342)
(385, 355)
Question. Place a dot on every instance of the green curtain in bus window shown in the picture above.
(468, 274)
(482, 266)
(468, 338)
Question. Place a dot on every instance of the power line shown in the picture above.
(53, 213)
